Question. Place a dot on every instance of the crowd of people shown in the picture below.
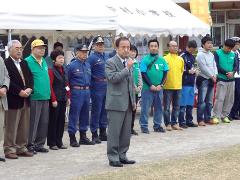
(35, 92)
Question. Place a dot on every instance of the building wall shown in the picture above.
(226, 19)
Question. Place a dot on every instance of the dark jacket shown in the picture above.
(189, 60)
(58, 84)
(17, 84)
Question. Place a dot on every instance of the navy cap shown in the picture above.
(81, 47)
(98, 39)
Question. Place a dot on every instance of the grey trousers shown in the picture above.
(39, 115)
(1, 121)
(119, 134)
(224, 99)
(16, 130)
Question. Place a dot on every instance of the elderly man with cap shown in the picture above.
(39, 99)
(18, 114)
(79, 77)
(97, 62)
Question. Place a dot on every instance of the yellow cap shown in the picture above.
(37, 42)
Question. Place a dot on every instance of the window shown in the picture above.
(218, 16)
(233, 14)
(218, 35)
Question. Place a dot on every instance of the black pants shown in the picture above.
(134, 112)
(236, 106)
(56, 124)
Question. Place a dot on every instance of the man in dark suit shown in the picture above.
(120, 101)
(17, 116)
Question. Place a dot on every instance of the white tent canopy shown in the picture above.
(127, 17)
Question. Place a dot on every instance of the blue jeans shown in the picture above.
(205, 98)
(149, 98)
(185, 115)
(98, 112)
(79, 110)
(174, 96)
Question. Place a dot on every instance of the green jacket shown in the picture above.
(226, 62)
(41, 88)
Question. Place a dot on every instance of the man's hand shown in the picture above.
(134, 107)
(68, 102)
(214, 79)
(23, 94)
(192, 71)
(130, 63)
(159, 87)
(28, 90)
(230, 75)
(3, 92)
(55, 104)
(153, 88)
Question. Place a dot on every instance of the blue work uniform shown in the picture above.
(98, 91)
(79, 76)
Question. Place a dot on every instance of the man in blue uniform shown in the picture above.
(97, 62)
(79, 76)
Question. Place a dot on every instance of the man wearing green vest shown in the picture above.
(39, 98)
(226, 62)
(154, 72)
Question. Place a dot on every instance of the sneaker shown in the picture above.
(201, 123)
(214, 120)
(225, 120)
(159, 129)
(169, 128)
(145, 131)
(176, 127)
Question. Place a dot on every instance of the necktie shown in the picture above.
(124, 63)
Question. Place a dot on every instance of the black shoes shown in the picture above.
(32, 149)
(145, 131)
(133, 132)
(231, 118)
(103, 134)
(53, 148)
(84, 140)
(184, 126)
(126, 161)
(41, 150)
(95, 138)
(159, 129)
(191, 124)
(62, 147)
(115, 164)
(73, 141)
(2, 159)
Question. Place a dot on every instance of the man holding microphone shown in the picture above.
(120, 101)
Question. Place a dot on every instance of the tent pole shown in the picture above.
(9, 35)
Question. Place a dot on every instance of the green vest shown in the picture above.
(41, 89)
(226, 62)
(155, 73)
(136, 72)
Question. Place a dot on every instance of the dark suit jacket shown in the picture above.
(16, 83)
